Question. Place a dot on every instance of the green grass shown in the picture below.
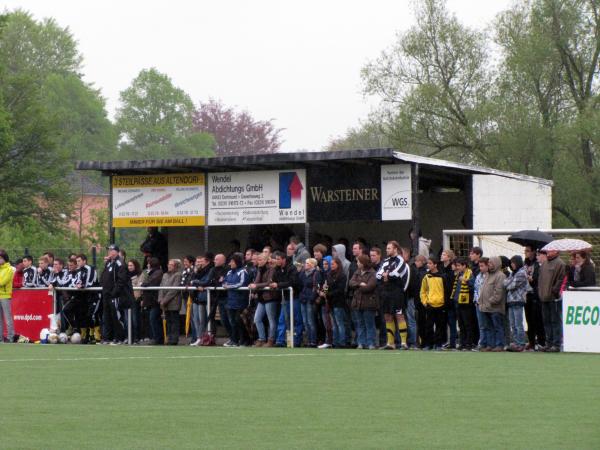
(66, 396)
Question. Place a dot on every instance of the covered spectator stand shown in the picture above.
(202, 204)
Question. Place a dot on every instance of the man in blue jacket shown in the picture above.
(237, 300)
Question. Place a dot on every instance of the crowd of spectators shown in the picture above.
(367, 299)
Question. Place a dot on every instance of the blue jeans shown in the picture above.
(515, 316)
(284, 323)
(482, 342)
(493, 327)
(310, 324)
(452, 324)
(552, 317)
(199, 318)
(411, 323)
(339, 327)
(270, 309)
(364, 322)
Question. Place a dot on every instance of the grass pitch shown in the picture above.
(66, 396)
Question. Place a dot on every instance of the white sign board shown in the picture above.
(581, 321)
(172, 200)
(261, 197)
(396, 192)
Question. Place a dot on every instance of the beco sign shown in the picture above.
(581, 321)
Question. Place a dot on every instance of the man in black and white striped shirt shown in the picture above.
(394, 277)
(29, 272)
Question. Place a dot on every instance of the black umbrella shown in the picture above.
(535, 238)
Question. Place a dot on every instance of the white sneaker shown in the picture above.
(195, 344)
(325, 345)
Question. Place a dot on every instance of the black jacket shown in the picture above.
(336, 289)
(150, 298)
(587, 276)
(414, 283)
(216, 277)
(157, 246)
(286, 277)
(115, 282)
(201, 278)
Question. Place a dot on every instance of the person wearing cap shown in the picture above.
(115, 284)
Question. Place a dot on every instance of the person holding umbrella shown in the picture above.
(533, 310)
(582, 273)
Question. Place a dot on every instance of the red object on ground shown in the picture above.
(30, 309)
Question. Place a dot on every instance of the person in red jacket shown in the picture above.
(18, 277)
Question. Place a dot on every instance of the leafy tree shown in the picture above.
(367, 135)
(434, 85)
(49, 118)
(37, 48)
(535, 110)
(155, 120)
(83, 128)
(96, 232)
(31, 165)
(236, 132)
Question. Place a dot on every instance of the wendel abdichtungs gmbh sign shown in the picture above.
(172, 200)
(259, 197)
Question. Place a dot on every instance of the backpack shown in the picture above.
(207, 340)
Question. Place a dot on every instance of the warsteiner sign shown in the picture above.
(344, 193)
(172, 200)
(256, 198)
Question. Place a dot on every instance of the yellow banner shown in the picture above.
(180, 221)
(171, 179)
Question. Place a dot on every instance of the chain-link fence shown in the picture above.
(495, 242)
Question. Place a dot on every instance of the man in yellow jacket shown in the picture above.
(433, 297)
(6, 282)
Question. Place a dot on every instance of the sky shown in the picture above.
(296, 62)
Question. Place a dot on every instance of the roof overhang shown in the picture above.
(278, 161)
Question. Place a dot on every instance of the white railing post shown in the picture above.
(129, 331)
(292, 324)
(208, 310)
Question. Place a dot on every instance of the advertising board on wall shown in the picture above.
(396, 192)
(581, 321)
(171, 200)
(343, 194)
(30, 309)
(257, 198)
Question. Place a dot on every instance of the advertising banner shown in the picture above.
(396, 192)
(581, 321)
(30, 309)
(343, 194)
(171, 200)
(257, 198)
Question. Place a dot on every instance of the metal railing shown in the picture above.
(208, 290)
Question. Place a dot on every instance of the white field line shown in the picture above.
(115, 358)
